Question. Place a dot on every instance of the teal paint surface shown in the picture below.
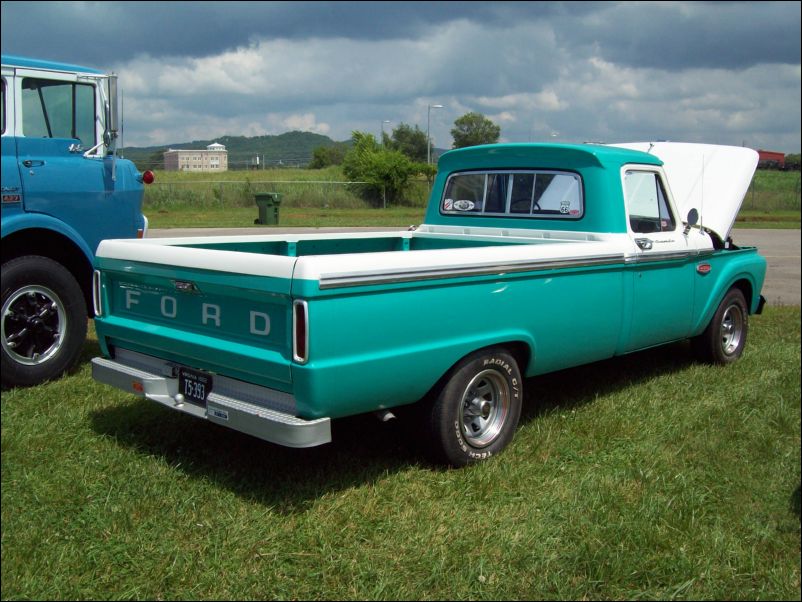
(389, 347)
(728, 268)
(599, 167)
(229, 323)
(339, 246)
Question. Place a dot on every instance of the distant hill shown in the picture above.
(291, 149)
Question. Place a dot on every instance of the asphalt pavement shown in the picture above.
(781, 248)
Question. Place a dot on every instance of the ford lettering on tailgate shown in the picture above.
(253, 317)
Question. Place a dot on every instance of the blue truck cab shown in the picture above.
(63, 191)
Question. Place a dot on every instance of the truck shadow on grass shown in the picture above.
(363, 449)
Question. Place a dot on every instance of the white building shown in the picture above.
(214, 158)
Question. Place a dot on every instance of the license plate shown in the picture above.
(194, 385)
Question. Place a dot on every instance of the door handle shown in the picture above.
(644, 243)
(33, 163)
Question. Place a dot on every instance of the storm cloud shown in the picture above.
(701, 72)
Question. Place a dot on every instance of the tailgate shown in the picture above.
(224, 322)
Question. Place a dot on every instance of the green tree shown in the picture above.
(408, 140)
(324, 156)
(474, 128)
(155, 160)
(386, 173)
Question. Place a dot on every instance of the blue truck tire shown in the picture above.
(44, 320)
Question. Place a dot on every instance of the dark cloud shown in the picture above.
(674, 36)
(718, 71)
(74, 31)
(668, 36)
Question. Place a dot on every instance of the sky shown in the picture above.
(711, 72)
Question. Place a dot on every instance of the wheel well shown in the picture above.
(521, 352)
(518, 349)
(746, 288)
(55, 246)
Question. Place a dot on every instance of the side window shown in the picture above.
(647, 204)
(53, 109)
(3, 104)
(465, 193)
(515, 193)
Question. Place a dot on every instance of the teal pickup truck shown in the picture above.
(532, 258)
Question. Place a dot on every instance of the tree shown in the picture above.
(410, 141)
(323, 156)
(474, 128)
(386, 172)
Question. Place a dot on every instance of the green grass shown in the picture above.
(216, 217)
(761, 218)
(314, 199)
(643, 477)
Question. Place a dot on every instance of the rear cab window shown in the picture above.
(514, 193)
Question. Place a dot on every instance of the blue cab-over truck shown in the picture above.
(63, 191)
(532, 258)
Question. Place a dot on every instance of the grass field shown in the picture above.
(642, 477)
(318, 198)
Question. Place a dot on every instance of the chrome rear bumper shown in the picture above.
(152, 378)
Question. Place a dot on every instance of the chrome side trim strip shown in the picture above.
(328, 281)
(654, 257)
(669, 256)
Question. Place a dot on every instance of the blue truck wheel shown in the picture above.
(43, 320)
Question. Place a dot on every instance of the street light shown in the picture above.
(383, 122)
(428, 138)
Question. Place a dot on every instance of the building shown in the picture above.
(214, 158)
(771, 159)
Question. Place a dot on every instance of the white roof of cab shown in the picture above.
(710, 178)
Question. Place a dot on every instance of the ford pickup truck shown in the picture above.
(532, 258)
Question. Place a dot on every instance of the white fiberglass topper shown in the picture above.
(710, 178)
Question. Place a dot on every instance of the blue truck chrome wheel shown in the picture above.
(43, 320)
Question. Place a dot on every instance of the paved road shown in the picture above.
(781, 248)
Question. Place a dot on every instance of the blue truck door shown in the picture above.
(58, 125)
(12, 187)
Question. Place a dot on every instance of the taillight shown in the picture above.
(97, 298)
(300, 331)
(148, 177)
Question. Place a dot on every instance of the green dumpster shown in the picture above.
(268, 204)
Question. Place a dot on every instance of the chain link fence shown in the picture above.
(294, 193)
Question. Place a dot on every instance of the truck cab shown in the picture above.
(63, 191)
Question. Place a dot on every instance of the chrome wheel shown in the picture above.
(485, 406)
(34, 325)
(731, 330)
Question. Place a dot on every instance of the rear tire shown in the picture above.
(475, 414)
(724, 339)
(43, 321)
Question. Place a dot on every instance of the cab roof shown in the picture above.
(31, 63)
(543, 156)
